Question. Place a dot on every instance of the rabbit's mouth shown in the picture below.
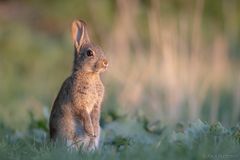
(101, 69)
(101, 66)
(105, 67)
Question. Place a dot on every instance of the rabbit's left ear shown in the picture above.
(79, 33)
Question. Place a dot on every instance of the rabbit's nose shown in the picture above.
(105, 63)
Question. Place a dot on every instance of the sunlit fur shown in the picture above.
(76, 111)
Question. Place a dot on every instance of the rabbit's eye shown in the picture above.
(89, 53)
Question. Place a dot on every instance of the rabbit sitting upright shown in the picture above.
(75, 114)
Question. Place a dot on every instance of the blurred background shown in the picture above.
(172, 61)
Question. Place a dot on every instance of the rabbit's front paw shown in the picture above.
(96, 130)
(89, 130)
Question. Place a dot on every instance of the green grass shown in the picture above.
(128, 138)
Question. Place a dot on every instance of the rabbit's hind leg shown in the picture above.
(94, 142)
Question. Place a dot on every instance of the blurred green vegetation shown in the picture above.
(149, 72)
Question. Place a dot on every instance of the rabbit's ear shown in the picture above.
(79, 33)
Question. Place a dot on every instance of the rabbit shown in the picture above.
(75, 114)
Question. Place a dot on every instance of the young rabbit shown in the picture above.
(75, 113)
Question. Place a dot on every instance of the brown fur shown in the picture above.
(75, 113)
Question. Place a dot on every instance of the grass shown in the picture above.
(128, 139)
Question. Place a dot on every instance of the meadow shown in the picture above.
(172, 87)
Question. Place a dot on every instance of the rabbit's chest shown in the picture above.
(93, 94)
(96, 92)
(100, 90)
(87, 93)
(87, 96)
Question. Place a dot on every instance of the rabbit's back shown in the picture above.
(60, 107)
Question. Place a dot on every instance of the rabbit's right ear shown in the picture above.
(79, 33)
